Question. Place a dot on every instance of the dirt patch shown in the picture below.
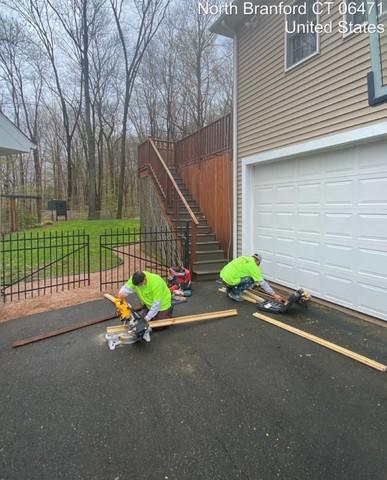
(132, 259)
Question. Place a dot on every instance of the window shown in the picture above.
(360, 16)
(357, 11)
(301, 39)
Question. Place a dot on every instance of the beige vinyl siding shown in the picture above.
(326, 94)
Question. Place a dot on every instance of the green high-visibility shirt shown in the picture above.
(238, 268)
(154, 290)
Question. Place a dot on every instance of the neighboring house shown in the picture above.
(12, 140)
(310, 159)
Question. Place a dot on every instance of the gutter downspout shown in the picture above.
(235, 148)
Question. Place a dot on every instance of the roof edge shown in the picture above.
(32, 144)
(227, 24)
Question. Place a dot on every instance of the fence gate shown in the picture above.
(35, 263)
(125, 251)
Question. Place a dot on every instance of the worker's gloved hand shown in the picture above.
(278, 298)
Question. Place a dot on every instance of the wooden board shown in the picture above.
(117, 329)
(112, 298)
(248, 298)
(193, 318)
(179, 320)
(325, 343)
(253, 295)
(61, 331)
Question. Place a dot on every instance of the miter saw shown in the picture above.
(300, 296)
(134, 326)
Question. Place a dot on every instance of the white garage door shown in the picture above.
(321, 223)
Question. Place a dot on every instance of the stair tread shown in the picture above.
(210, 251)
(211, 242)
(205, 271)
(205, 262)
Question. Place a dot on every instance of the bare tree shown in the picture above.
(38, 15)
(23, 67)
(81, 20)
(151, 14)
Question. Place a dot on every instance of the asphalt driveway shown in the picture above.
(227, 399)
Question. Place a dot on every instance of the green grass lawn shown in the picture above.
(25, 254)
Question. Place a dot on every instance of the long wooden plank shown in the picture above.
(193, 318)
(325, 343)
(117, 329)
(178, 320)
(253, 295)
(61, 331)
(248, 298)
(109, 297)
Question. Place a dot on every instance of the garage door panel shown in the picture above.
(309, 223)
(285, 246)
(372, 191)
(341, 162)
(369, 300)
(309, 278)
(309, 168)
(264, 219)
(285, 196)
(309, 251)
(339, 225)
(264, 173)
(372, 262)
(326, 229)
(339, 289)
(264, 243)
(284, 270)
(285, 221)
(309, 194)
(372, 227)
(269, 265)
(339, 193)
(371, 161)
(263, 196)
(339, 257)
(285, 172)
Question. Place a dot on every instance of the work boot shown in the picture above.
(146, 336)
(234, 296)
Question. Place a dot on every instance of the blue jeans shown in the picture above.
(246, 282)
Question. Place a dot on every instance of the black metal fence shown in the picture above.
(36, 263)
(125, 251)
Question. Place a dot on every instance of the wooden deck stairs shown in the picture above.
(210, 257)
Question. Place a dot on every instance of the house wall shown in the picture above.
(324, 95)
(210, 183)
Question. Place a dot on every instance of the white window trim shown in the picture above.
(349, 34)
(317, 52)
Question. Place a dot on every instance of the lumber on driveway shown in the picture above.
(325, 343)
(154, 324)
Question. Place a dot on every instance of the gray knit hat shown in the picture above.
(257, 257)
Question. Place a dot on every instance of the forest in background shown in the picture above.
(88, 80)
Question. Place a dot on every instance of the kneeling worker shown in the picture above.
(153, 293)
(242, 273)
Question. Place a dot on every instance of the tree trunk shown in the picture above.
(121, 178)
(89, 131)
(38, 183)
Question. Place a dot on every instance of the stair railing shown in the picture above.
(174, 198)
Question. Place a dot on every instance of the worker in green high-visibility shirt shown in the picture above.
(242, 273)
(153, 293)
